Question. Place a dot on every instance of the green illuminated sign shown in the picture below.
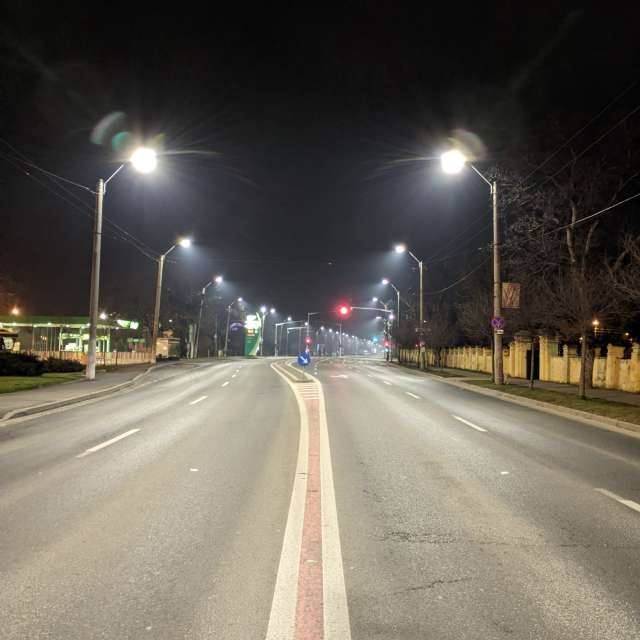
(252, 328)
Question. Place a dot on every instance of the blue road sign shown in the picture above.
(304, 359)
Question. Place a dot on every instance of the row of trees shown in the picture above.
(567, 240)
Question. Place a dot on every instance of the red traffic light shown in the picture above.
(344, 311)
(387, 343)
(308, 340)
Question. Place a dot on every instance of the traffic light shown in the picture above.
(344, 310)
(387, 343)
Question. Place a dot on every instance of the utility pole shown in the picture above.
(498, 363)
(156, 310)
(95, 283)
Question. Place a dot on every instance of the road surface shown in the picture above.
(167, 511)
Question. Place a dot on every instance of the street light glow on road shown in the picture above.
(452, 161)
(144, 160)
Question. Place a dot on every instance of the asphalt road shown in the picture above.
(160, 512)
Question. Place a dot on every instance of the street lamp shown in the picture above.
(386, 281)
(143, 160)
(454, 161)
(308, 322)
(226, 335)
(182, 242)
(276, 348)
(214, 281)
(401, 248)
(263, 311)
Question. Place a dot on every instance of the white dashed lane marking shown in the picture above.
(200, 399)
(413, 395)
(614, 496)
(107, 443)
(470, 424)
(224, 384)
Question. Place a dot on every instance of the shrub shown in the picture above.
(59, 365)
(20, 364)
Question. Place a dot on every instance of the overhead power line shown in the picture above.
(588, 147)
(79, 204)
(583, 128)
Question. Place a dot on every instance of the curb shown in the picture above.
(40, 408)
(602, 422)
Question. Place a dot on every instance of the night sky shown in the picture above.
(290, 138)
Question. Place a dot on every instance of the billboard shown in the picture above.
(252, 335)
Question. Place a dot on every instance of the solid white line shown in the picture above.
(413, 395)
(107, 443)
(200, 399)
(470, 424)
(224, 384)
(285, 594)
(387, 382)
(627, 503)
(334, 591)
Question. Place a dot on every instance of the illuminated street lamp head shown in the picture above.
(103, 315)
(185, 242)
(321, 328)
(272, 311)
(452, 161)
(385, 281)
(288, 318)
(263, 309)
(144, 159)
(239, 299)
(374, 299)
(218, 279)
(400, 248)
(15, 311)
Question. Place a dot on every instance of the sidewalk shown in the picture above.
(614, 395)
(25, 402)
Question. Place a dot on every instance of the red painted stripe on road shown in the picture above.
(309, 612)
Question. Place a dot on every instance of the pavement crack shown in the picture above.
(434, 583)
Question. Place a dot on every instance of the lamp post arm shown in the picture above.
(482, 176)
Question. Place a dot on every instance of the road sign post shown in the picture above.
(304, 360)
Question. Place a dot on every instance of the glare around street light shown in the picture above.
(15, 311)
(400, 248)
(218, 279)
(144, 160)
(263, 309)
(272, 310)
(385, 281)
(103, 316)
(239, 299)
(452, 161)
(185, 242)
(374, 299)
(288, 318)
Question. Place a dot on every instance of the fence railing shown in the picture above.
(104, 358)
